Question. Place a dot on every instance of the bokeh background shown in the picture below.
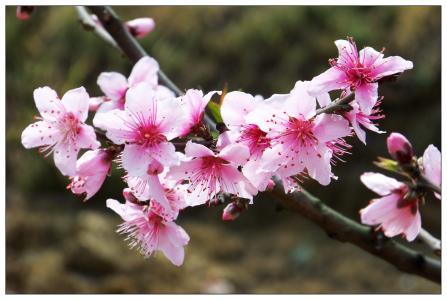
(57, 244)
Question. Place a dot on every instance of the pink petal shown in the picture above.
(235, 153)
(127, 211)
(431, 161)
(329, 127)
(379, 183)
(233, 182)
(259, 180)
(145, 70)
(113, 85)
(369, 56)
(390, 65)
(77, 102)
(413, 230)
(87, 137)
(118, 127)
(347, 53)
(48, 103)
(141, 102)
(172, 120)
(379, 210)
(164, 153)
(65, 156)
(40, 133)
(323, 99)
(366, 96)
(170, 249)
(135, 159)
(236, 105)
(300, 103)
(332, 79)
(319, 167)
(197, 150)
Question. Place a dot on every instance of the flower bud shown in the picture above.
(270, 185)
(399, 148)
(231, 212)
(140, 27)
(24, 12)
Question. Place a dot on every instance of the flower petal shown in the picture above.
(197, 150)
(331, 79)
(48, 103)
(431, 161)
(87, 137)
(366, 96)
(235, 153)
(113, 85)
(76, 101)
(135, 160)
(329, 127)
(236, 105)
(40, 133)
(145, 70)
(65, 156)
(300, 102)
(389, 66)
(379, 183)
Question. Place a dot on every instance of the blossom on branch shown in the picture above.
(358, 72)
(396, 212)
(431, 166)
(60, 129)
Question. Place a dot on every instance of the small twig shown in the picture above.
(89, 24)
(425, 182)
(336, 104)
(432, 242)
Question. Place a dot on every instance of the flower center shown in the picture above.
(70, 126)
(150, 136)
(254, 138)
(301, 131)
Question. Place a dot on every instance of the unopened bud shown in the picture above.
(399, 148)
(270, 185)
(140, 27)
(24, 12)
(231, 212)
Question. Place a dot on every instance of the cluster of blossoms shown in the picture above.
(397, 212)
(172, 160)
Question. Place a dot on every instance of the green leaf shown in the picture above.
(214, 108)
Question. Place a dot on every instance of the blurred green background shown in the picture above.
(56, 244)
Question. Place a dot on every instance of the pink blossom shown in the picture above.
(149, 232)
(395, 212)
(91, 171)
(358, 72)
(145, 126)
(299, 138)
(193, 104)
(140, 27)
(209, 173)
(23, 12)
(431, 163)
(61, 127)
(235, 107)
(360, 120)
(167, 197)
(114, 85)
(399, 148)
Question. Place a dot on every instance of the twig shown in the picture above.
(89, 24)
(126, 42)
(346, 230)
(425, 182)
(335, 105)
(432, 242)
(337, 225)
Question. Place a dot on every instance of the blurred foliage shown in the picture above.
(261, 50)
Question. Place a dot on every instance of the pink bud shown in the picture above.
(24, 12)
(399, 148)
(140, 27)
(270, 185)
(231, 212)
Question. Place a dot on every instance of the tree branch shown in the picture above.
(335, 105)
(334, 223)
(346, 230)
(432, 242)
